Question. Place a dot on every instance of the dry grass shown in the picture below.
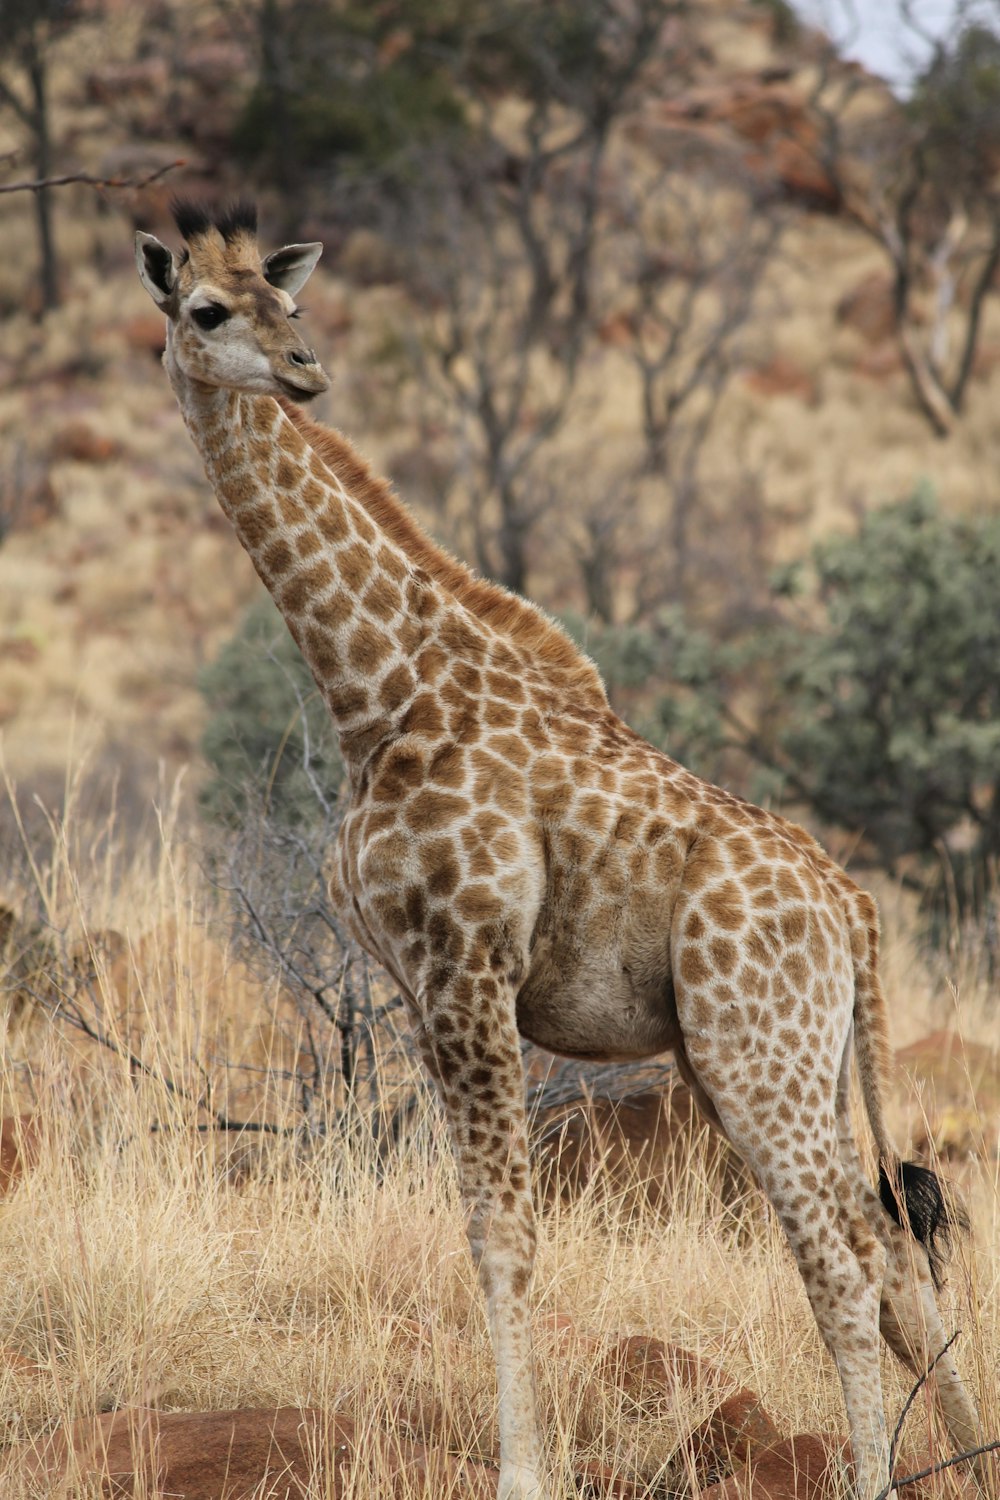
(141, 1271)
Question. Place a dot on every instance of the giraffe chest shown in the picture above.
(459, 890)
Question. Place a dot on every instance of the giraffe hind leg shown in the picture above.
(909, 1318)
(797, 1164)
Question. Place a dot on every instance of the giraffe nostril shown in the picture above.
(301, 357)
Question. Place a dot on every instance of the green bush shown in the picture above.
(955, 106)
(269, 737)
(346, 83)
(896, 720)
(877, 689)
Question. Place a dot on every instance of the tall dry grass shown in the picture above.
(142, 1270)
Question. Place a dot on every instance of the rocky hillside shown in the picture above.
(118, 577)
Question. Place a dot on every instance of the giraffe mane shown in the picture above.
(516, 618)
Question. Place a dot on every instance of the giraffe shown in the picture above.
(523, 864)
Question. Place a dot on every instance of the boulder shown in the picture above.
(955, 1084)
(650, 1372)
(79, 442)
(653, 1374)
(640, 1147)
(19, 1149)
(739, 1428)
(869, 308)
(781, 376)
(240, 1455)
(805, 1467)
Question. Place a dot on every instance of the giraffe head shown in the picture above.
(227, 309)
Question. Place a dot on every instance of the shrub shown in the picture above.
(877, 689)
(269, 736)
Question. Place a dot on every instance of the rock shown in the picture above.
(146, 333)
(881, 362)
(652, 1374)
(869, 308)
(805, 1467)
(650, 1371)
(803, 177)
(78, 441)
(30, 500)
(781, 376)
(782, 141)
(956, 1084)
(640, 1146)
(618, 330)
(236, 1455)
(114, 82)
(739, 1427)
(19, 1149)
(595, 1481)
(18, 1364)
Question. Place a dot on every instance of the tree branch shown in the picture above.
(41, 184)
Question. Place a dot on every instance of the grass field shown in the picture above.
(173, 1268)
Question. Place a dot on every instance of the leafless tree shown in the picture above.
(503, 238)
(920, 174)
(28, 29)
(691, 247)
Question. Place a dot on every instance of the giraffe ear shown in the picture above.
(290, 268)
(157, 269)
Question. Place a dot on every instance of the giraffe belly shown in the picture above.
(594, 1008)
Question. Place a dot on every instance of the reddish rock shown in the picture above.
(31, 500)
(957, 1084)
(19, 1149)
(640, 1146)
(146, 333)
(881, 362)
(594, 1481)
(804, 1467)
(114, 82)
(20, 1364)
(869, 308)
(650, 1371)
(78, 441)
(739, 1427)
(803, 176)
(236, 1455)
(777, 123)
(781, 376)
(617, 330)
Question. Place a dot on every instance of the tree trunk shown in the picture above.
(48, 263)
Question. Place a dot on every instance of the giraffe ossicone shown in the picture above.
(521, 862)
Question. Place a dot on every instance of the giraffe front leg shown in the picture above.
(473, 1053)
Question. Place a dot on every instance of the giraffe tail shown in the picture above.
(911, 1194)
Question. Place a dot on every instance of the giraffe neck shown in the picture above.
(361, 614)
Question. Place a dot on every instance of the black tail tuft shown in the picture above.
(928, 1217)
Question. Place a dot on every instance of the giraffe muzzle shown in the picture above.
(305, 376)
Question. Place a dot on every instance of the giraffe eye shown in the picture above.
(211, 315)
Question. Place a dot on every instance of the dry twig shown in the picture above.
(42, 183)
(947, 1463)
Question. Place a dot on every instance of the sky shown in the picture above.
(872, 31)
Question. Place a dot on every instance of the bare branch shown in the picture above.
(42, 184)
